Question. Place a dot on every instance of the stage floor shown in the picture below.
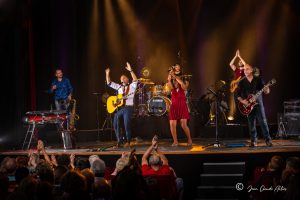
(200, 146)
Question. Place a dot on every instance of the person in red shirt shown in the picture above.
(238, 70)
(158, 163)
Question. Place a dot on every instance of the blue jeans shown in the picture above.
(258, 112)
(125, 112)
(61, 104)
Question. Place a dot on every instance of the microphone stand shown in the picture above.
(217, 142)
(97, 115)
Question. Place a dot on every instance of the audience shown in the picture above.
(268, 176)
(63, 177)
(160, 177)
(129, 182)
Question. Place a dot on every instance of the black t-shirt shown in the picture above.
(245, 87)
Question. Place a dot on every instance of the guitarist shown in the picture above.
(250, 85)
(238, 70)
(126, 110)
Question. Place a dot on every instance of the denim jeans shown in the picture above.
(61, 104)
(125, 112)
(258, 112)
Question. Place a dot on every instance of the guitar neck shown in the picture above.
(125, 96)
(261, 91)
(241, 79)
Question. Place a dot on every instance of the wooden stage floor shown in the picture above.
(200, 146)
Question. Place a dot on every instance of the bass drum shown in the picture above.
(159, 105)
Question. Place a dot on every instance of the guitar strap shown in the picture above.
(125, 92)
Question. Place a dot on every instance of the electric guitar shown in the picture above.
(114, 102)
(246, 109)
(234, 83)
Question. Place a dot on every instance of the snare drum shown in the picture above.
(159, 105)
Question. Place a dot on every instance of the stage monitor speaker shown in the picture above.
(290, 124)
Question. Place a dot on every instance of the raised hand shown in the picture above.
(72, 160)
(128, 66)
(107, 70)
(53, 160)
(40, 145)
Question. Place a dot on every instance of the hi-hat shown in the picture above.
(149, 83)
(143, 79)
(146, 81)
(187, 75)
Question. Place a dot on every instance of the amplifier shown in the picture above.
(289, 124)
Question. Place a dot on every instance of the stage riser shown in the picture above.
(217, 193)
(224, 168)
(220, 180)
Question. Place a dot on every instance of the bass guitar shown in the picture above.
(234, 83)
(246, 109)
(114, 102)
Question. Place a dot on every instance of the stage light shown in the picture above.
(230, 118)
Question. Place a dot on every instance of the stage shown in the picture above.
(200, 146)
(188, 162)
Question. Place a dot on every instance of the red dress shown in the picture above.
(178, 108)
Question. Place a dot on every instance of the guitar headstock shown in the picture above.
(272, 82)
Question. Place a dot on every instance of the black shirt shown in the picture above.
(245, 87)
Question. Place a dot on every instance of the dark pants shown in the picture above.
(258, 112)
(63, 105)
(125, 112)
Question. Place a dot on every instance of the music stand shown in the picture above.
(217, 99)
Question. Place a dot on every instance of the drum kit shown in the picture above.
(153, 99)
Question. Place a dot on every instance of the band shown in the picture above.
(171, 98)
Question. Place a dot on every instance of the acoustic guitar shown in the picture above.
(114, 102)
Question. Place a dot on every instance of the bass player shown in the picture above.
(250, 85)
(126, 110)
(238, 70)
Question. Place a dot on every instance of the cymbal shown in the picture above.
(143, 79)
(149, 83)
(186, 75)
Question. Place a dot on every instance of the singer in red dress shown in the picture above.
(178, 109)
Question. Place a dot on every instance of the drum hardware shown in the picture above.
(144, 86)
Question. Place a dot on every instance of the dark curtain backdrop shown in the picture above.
(84, 37)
